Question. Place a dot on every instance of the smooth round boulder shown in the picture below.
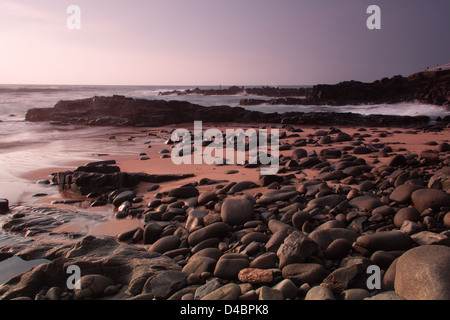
(206, 197)
(406, 214)
(402, 194)
(184, 192)
(236, 212)
(123, 196)
(430, 198)
(366, 202)
(215, 230)
(423, 273)
(338, 249)
(165, 244)
(386, 240)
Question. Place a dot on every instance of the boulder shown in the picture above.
(402, 194)
(386, 240)
(422, 273)
(167, 283)
(366, 202)
(237, 212)
(296, 248)
(430, 198)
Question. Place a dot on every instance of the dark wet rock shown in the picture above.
(384, 211)
(327, 236)
(383, 259)
(430, 198)
(267, 260)
(338, 249)
(165, 244)
(402, 194)
(366, 202)
(215, 230)
(362, 150)
(296, 248)
(123, 196)
(397, 161)
(422, 273)
(206, 197)
(83, 183)
(298, 154)
(4, 206)
(167, 283)
(230, 264)
(329, 201)
(243, 185)
(406, 214)
(387, 241)
(184, 192)
(237, 211)
(333, 175)
(301, 273)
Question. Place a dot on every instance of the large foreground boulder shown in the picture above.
(423, 273)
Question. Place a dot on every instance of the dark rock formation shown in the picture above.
(122, 111)
(426, 87)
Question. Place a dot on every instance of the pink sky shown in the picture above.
(211, 42)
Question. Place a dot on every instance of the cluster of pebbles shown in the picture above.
(313, 231)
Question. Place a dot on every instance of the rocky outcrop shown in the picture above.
(426, 87)
(122, 111)
(234, 90)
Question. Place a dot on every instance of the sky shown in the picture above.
(219, 42)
